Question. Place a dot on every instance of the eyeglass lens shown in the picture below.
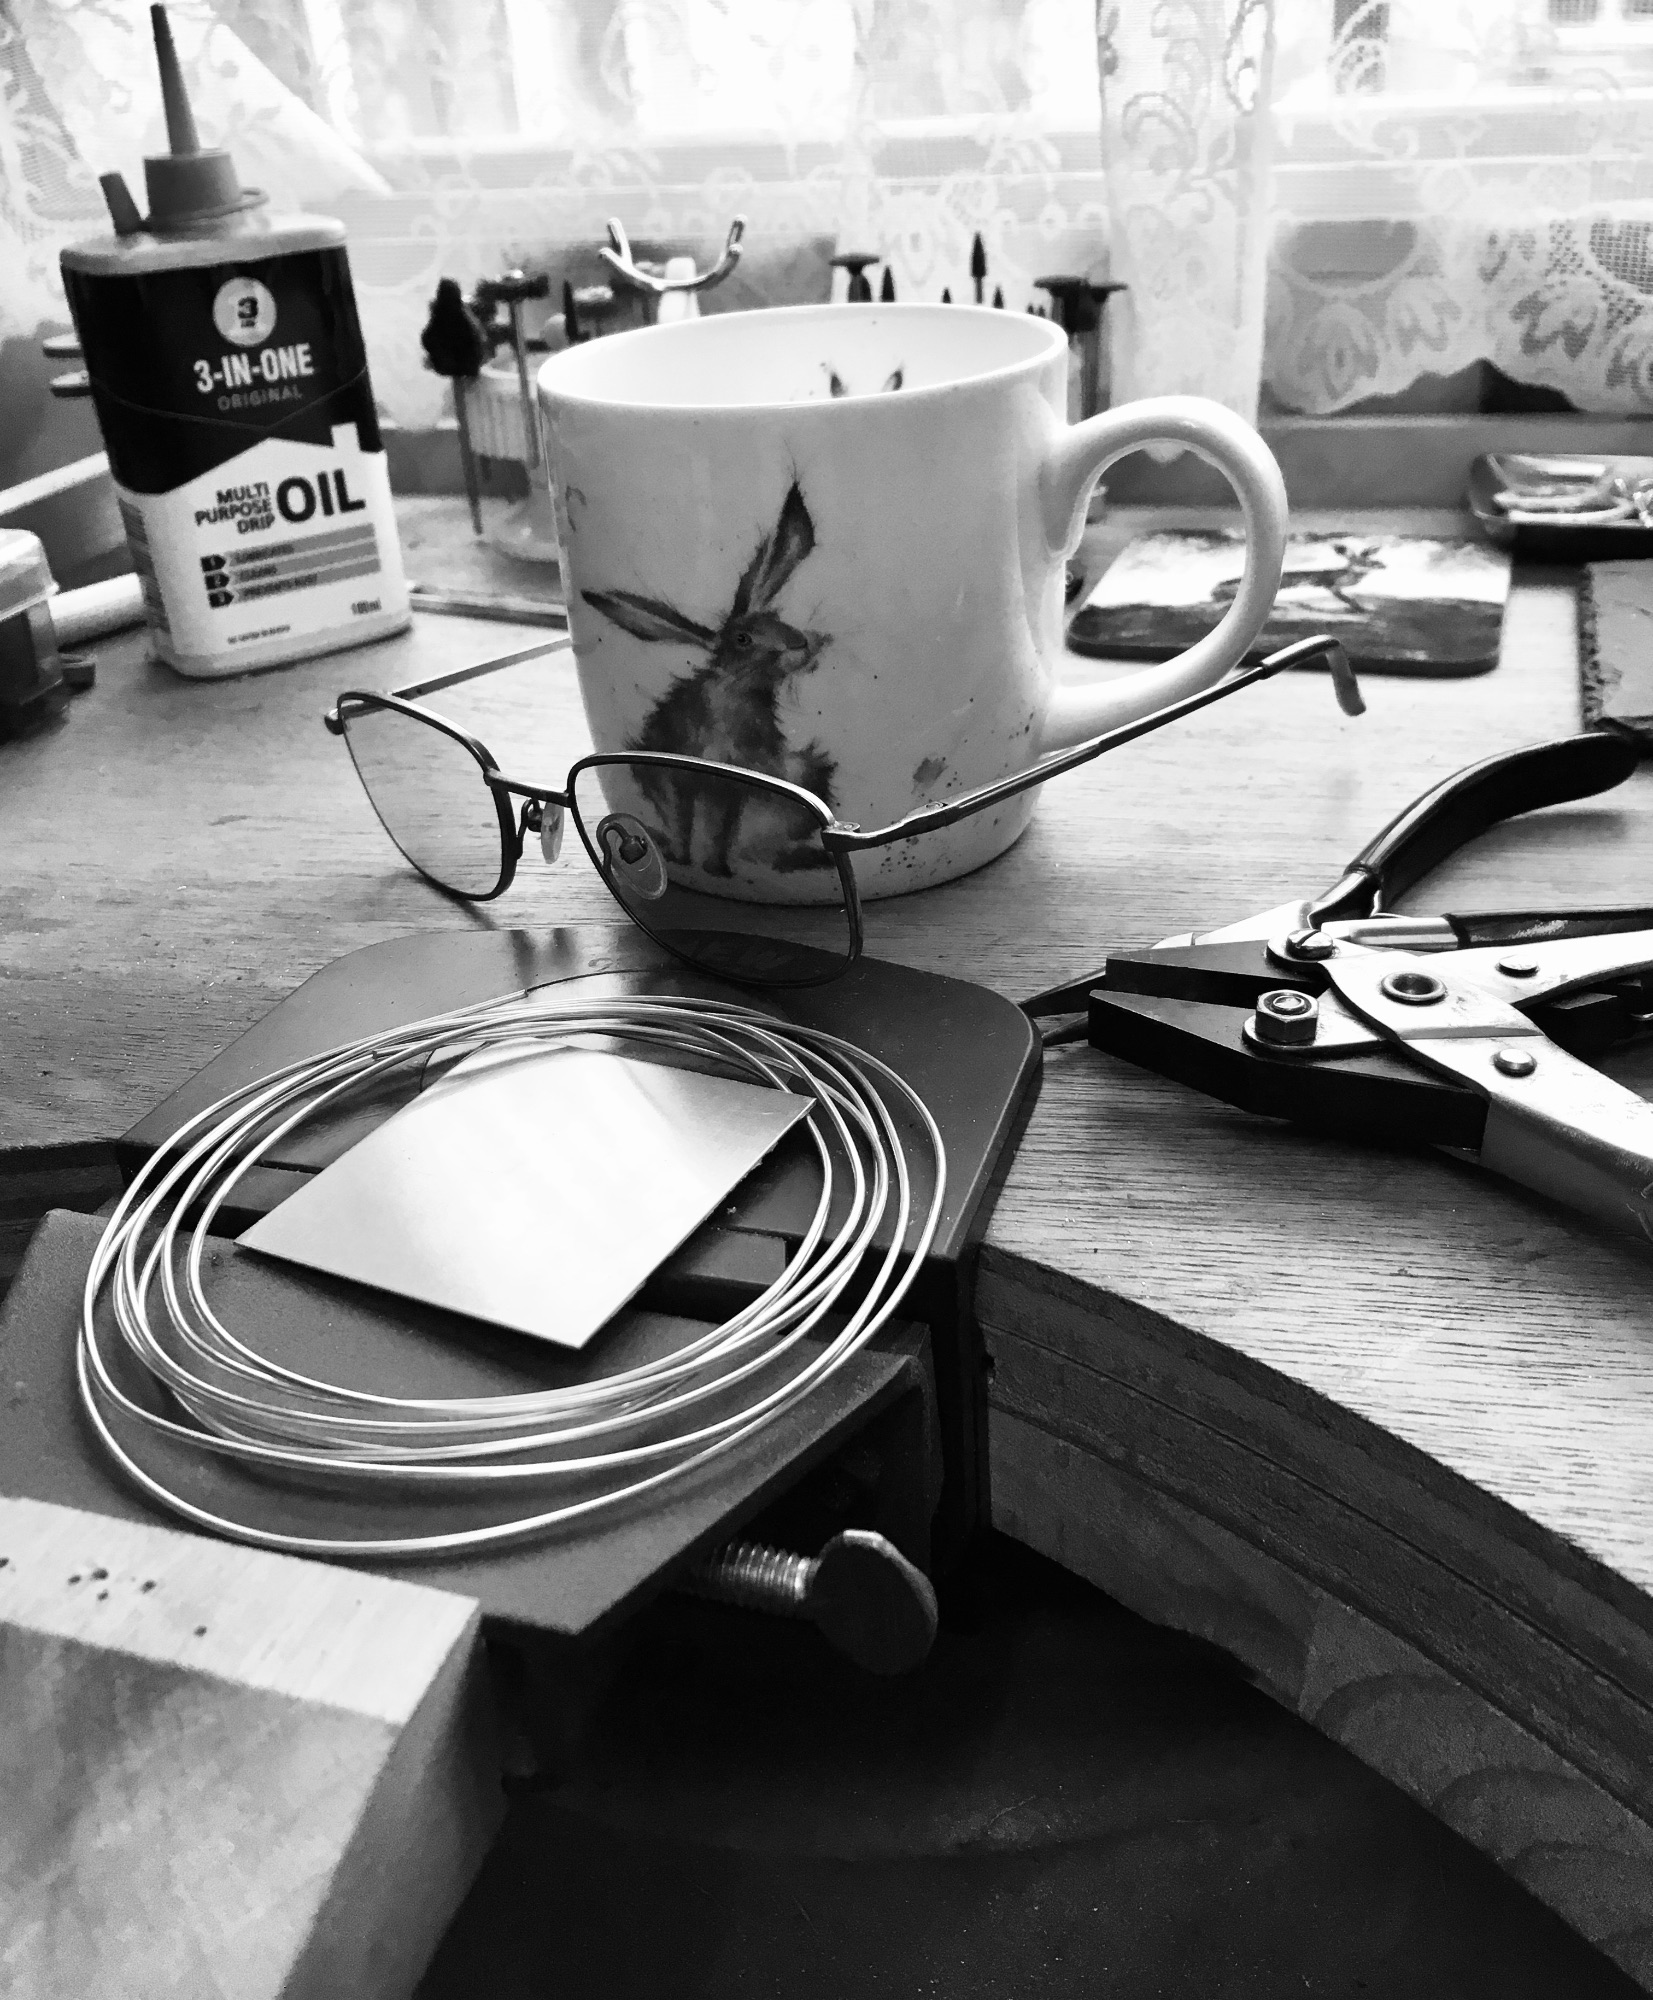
(696, 858)
(429, 793)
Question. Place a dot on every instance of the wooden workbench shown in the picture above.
(1370, 1420)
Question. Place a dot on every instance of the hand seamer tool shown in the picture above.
(1463, 1031)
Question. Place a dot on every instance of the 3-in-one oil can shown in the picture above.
(227, 368)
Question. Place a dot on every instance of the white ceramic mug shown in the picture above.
(829, 542)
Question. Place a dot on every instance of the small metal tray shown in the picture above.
(1561, 538)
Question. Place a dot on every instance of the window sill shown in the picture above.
(1381, 462)
(1369, 462)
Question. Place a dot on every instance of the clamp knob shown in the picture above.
(860, 1592)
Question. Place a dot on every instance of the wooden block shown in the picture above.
(1615, 639)
(228, 1773)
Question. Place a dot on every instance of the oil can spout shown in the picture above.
(181, 134)
(191, 183)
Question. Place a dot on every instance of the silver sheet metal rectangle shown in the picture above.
(537, 1189)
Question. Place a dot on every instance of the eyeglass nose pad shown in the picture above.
(634, 862)
(551, 825)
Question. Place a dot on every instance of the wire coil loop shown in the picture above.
(587, 1447)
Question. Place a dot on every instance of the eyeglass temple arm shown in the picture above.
(480, 667)
(928, 818)
(470, 673)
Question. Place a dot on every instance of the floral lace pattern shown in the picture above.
(1186, 146)
(1460, 181)
(1438, 183)
(1565, 301)
(1327, 197)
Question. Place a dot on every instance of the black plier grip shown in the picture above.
(1469, 802)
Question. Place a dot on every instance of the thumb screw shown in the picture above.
(861, 1593)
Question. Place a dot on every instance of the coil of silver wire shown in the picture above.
(165, 1382)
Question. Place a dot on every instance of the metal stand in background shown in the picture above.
(1078, 306)
(505, 414)
(501, 401)
(670, 291)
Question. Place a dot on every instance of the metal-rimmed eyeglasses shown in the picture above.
(663, 830)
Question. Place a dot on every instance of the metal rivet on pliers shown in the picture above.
(1413, 989)
(1516, 967)
(1514, 1062)
(1286, 1018)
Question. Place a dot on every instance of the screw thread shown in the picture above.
(756, 1576)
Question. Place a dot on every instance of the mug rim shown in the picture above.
(1055, 342)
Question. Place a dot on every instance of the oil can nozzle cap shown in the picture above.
(192, 182)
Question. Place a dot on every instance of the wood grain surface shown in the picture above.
(1553, 1827)
(1417, 1395)
(213, 1761)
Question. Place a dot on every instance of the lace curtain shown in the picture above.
(1315, 201)
(455, 137)
(1187, 140)
(1460, 181)
(1326, 200)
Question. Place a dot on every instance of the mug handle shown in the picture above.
(1076, 713)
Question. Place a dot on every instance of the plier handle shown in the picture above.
(1547, 1120)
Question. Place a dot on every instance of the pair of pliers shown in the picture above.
(1465, 1031)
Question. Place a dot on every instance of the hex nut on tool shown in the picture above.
(1286, 1018)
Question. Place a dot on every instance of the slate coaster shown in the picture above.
(1401, 604)
(1615, 647)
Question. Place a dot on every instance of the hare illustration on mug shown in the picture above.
(728, 711)
(837, 386)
